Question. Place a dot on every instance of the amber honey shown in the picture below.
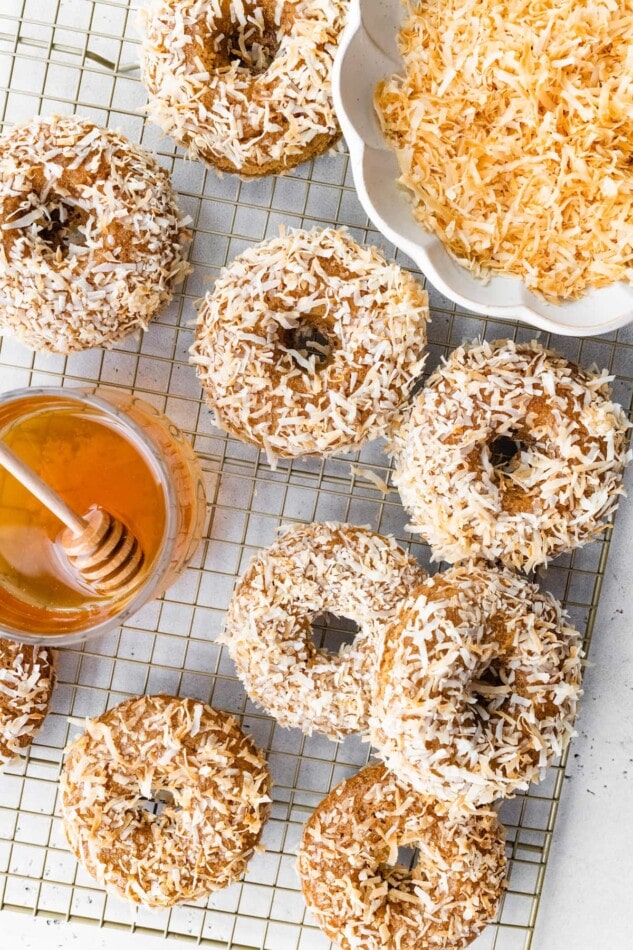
(137, 471)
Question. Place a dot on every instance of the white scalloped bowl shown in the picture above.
(369, 52)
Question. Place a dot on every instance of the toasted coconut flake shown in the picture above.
(364, 900)
(478, 686)
(558, 490)
(313, 569)
(212, 88)
(27, 676)
(92, 242)
(215, 781)
(359, 322)
(513, 126)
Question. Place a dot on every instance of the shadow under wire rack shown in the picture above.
(81, 56)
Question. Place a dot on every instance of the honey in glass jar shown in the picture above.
(95, 448)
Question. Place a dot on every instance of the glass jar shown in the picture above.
(96, 447)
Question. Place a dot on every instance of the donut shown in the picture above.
(309, 344)
(478, 686)
(27, 677)
(243, 85)
(92, 242)
(510, 453)
(364, 900)
(310, 570)
(210, 775)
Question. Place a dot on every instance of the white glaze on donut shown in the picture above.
(371, 315)
(478, 686)
(313, 569)
(216, 782)
(124, 237)
(554, 495)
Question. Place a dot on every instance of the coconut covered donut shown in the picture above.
(478, 686)
(310, 570)
(27, 677)
(310, 344)
(92, 241)
(510, 452)
(364, 900)
(210, 774)
(244, 85)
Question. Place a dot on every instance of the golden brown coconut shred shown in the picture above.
(513, 125)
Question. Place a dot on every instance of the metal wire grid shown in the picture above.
(80, 55)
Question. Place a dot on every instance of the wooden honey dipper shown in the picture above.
(101, 549)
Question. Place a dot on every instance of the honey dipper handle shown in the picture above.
(43, 492)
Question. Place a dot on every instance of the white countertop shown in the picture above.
(587, 893)
(589, 880)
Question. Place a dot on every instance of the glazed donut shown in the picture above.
(478, 686)
(244, 85)
(310, 344)
(92, 240)
(212, 775)
(27, 677)
(312, 569)
(510, 452)
(364, 900)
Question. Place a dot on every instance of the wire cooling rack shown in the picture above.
(81, 55)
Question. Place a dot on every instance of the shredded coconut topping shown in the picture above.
(310, 344)
(27, 677)
(337, 568)
(91, 239)
(364, 900)
(212, 776)
(513, 125)
(562, 482)
(246, 85)
(478, 686)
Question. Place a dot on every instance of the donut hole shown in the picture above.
(407, 857)
(252, 45)
(159, 800)
(505, 453)
(63, 228)
(253, 49)
(398, 876)
(332, 634)
(309, 344)
(491, 686)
